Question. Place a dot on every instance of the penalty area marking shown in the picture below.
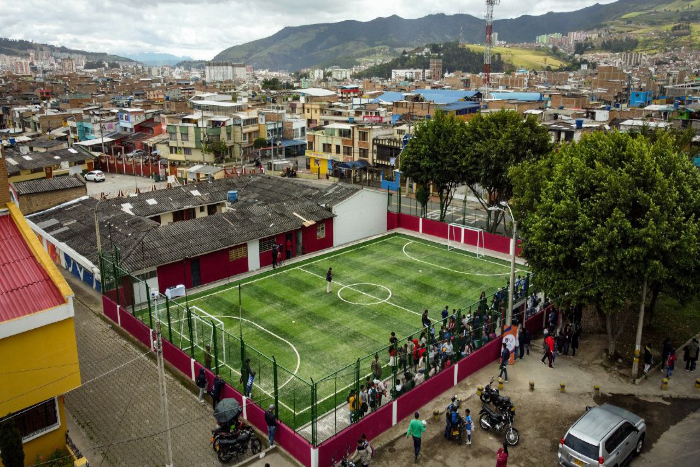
(353, 288)
(452, 270)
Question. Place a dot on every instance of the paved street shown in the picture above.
(119, 413)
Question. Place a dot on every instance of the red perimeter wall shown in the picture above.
(492, 242)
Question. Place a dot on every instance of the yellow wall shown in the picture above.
(51, 356)
(44, 446)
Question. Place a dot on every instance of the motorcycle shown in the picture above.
(501, 422)
(235, 444)
(489, 394)
(457, 431)
(344, 462)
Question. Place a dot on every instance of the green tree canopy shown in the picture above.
(435, 155)
(11, 449)
(259, 143)
(495, 143)
(600, 217)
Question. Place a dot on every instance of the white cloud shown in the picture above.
(202, 28)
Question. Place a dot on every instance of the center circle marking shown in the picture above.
(378, 300)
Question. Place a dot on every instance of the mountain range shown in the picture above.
(347, 43)
(21, 48)
(157, 59)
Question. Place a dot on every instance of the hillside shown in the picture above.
(349, 42)
(21, 48)
(157, 59)
(453, 58)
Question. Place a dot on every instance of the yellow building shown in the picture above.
(37, 335)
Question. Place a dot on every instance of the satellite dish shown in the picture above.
(23, 150)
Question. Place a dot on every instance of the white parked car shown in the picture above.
(95, 176)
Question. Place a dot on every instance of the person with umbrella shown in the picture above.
(227, 411)
(216, 389)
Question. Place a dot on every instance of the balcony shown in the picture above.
(213, 131)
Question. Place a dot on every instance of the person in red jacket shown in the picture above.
(548, 347)
(502, 456)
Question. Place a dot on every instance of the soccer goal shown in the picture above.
(456, 236)
(202, 326)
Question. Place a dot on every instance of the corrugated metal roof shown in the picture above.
(25, 286)
(43, 185)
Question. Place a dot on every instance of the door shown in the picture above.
(194, 272)
(300, 246)
(619, 444)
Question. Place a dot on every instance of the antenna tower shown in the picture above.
(489, 42)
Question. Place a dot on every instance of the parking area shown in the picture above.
(127, 183)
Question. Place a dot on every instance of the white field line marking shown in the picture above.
(459, 252)
(291, 269)
(364, 283)
(452, 270)
(278, 337)
(361, 292)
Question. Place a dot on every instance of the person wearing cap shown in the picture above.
(415, 429)
(329, 279)
(271, 422)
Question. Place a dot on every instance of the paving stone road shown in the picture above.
(125, 404)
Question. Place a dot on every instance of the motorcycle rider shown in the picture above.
(454, 405)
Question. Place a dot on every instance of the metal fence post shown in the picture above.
(276, 389)
(335, 403)
(189, 325)
(356, 409)
(150, 310)
(116, 282)
(314, 420)
(216, 347)
(167, 313)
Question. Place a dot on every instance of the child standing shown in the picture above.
(670, 363)
(468, 425)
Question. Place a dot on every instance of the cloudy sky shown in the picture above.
(202, 28)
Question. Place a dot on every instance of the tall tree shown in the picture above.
(496, 142)
(602, 217)
(11, 449)
(435, 155)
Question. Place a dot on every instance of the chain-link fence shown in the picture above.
(316, 410)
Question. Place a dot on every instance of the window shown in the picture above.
(37, 420)
(173, 136)
(237, 252)
(327, 147)
(310, 145)
(364, 136)
(185, 136)
(581, 447)
(188, 151)
(347, 150)
(202, 208)
(173, 150)
(364, 153)
(337, 148)
(345, 133)
(618, 437)
(320, 231)
(266, 244)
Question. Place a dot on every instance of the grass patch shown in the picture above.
(522, 58)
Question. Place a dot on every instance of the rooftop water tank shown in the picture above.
(579, 124)
(233, 196)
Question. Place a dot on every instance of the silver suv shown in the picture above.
(604, 436)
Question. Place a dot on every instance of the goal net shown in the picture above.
(458, 233)
(199, 329)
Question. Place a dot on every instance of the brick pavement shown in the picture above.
(125, 404)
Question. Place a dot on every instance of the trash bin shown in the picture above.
(477, 344)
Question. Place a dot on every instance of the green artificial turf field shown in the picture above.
(378, 287)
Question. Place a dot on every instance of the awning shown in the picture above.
(353, 165)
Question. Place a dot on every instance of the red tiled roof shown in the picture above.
(25, 286)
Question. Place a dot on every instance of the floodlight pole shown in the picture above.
(163, 390)
(240, 313)
(511, 285)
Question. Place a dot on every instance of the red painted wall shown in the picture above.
(372, 425)
(309, 237)
(408, 222)
(212, 267)
(435, 228)
(392, 220)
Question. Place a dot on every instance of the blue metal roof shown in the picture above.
(293, 142)
(460, 106)
(518, 96)
(390, 97)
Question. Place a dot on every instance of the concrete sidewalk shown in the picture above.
(116, 415)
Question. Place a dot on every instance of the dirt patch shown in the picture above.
(658, 413)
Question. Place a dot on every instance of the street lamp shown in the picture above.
(511, 286)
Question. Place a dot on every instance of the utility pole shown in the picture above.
(640, 326)
(163, 389)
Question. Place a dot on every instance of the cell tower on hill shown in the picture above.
(489, 42)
